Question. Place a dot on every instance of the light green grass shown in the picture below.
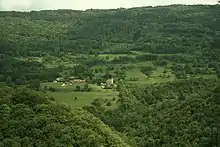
(135, 73)
(211, 76)
(144, 63)
(153, 79)
(53, 62)
(83, 98)
(147, 53)
(57, 63)
(159, 70)
(112, 56)
(66, 95)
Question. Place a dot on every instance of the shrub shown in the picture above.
(109, 104)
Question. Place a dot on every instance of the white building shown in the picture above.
(110, 81)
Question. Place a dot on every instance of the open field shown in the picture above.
(112, 56)
(52, 62)
(211, 76)
(83, 98)
(156, 76)
(66, 95)
(135, 73)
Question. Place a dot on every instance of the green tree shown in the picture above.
(35, 84)
(21, 81)
(218, 74)
(78, 88)
(86, 86)
(107, 58)
(8, 81)
(108, 104)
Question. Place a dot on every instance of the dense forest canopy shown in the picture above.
(170, 29)
(184, 113)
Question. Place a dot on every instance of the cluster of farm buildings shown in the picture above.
(108, 84)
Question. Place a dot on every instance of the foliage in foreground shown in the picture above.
(30, 119)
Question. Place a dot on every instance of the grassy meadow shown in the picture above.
(66, 95)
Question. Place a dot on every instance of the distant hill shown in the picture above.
(168, 29)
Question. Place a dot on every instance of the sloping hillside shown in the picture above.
(181, 113)
(170, 29)
(29, 118)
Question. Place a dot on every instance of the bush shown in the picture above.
(98, 102)
(160, 62)
(45, 88)
(2, 78)
(109, 104)
(86, 88)
(51, 89)
(77, 88)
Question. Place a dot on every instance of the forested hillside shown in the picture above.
(184, 113)
(31, 119)
(139, 77)
(170, 29)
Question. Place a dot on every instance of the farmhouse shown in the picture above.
(60, 79)
(109, 84)
(78, 81)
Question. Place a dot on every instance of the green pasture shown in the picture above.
(135, 73)
(83, 98)
(148, 53)
(211, 76)
(112, 56)
(67, 95)
(156, 77)
(52, 62)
